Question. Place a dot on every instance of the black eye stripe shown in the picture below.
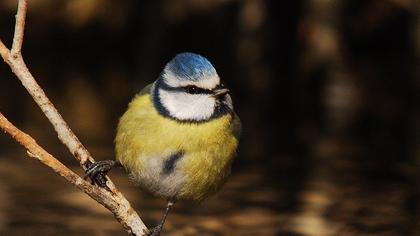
(196, 90)
(191, 89)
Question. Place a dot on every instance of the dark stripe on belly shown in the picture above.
(169, 164)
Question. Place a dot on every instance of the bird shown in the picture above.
(179, 135)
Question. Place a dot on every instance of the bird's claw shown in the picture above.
(155, 231)
(97, 172)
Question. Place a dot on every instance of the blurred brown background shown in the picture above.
(327, 92)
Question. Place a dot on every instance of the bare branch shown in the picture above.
(4, 52)
(19, 28)
(115, 203)
(17, 64)
(65, 134)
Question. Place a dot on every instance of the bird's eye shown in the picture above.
(192, 89)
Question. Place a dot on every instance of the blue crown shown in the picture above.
(190, 66)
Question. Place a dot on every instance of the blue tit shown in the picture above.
(179, 135)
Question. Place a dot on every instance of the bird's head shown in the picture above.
(189, 89)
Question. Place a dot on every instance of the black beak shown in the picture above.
(217, 93)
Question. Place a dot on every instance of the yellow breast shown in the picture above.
(144, 136)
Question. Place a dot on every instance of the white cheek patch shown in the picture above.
(185, 106)
(207, 82)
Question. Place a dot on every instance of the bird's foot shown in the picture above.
(97, 172)
(155, 231)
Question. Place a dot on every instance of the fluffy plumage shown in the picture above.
(146, 140)
(179, 135)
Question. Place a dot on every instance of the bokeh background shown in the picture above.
(328, 93)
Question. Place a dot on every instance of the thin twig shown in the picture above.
(115, 201)
(19, 28)
(65, 134)
(18, 66)
(122, 212)
(4, 52)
